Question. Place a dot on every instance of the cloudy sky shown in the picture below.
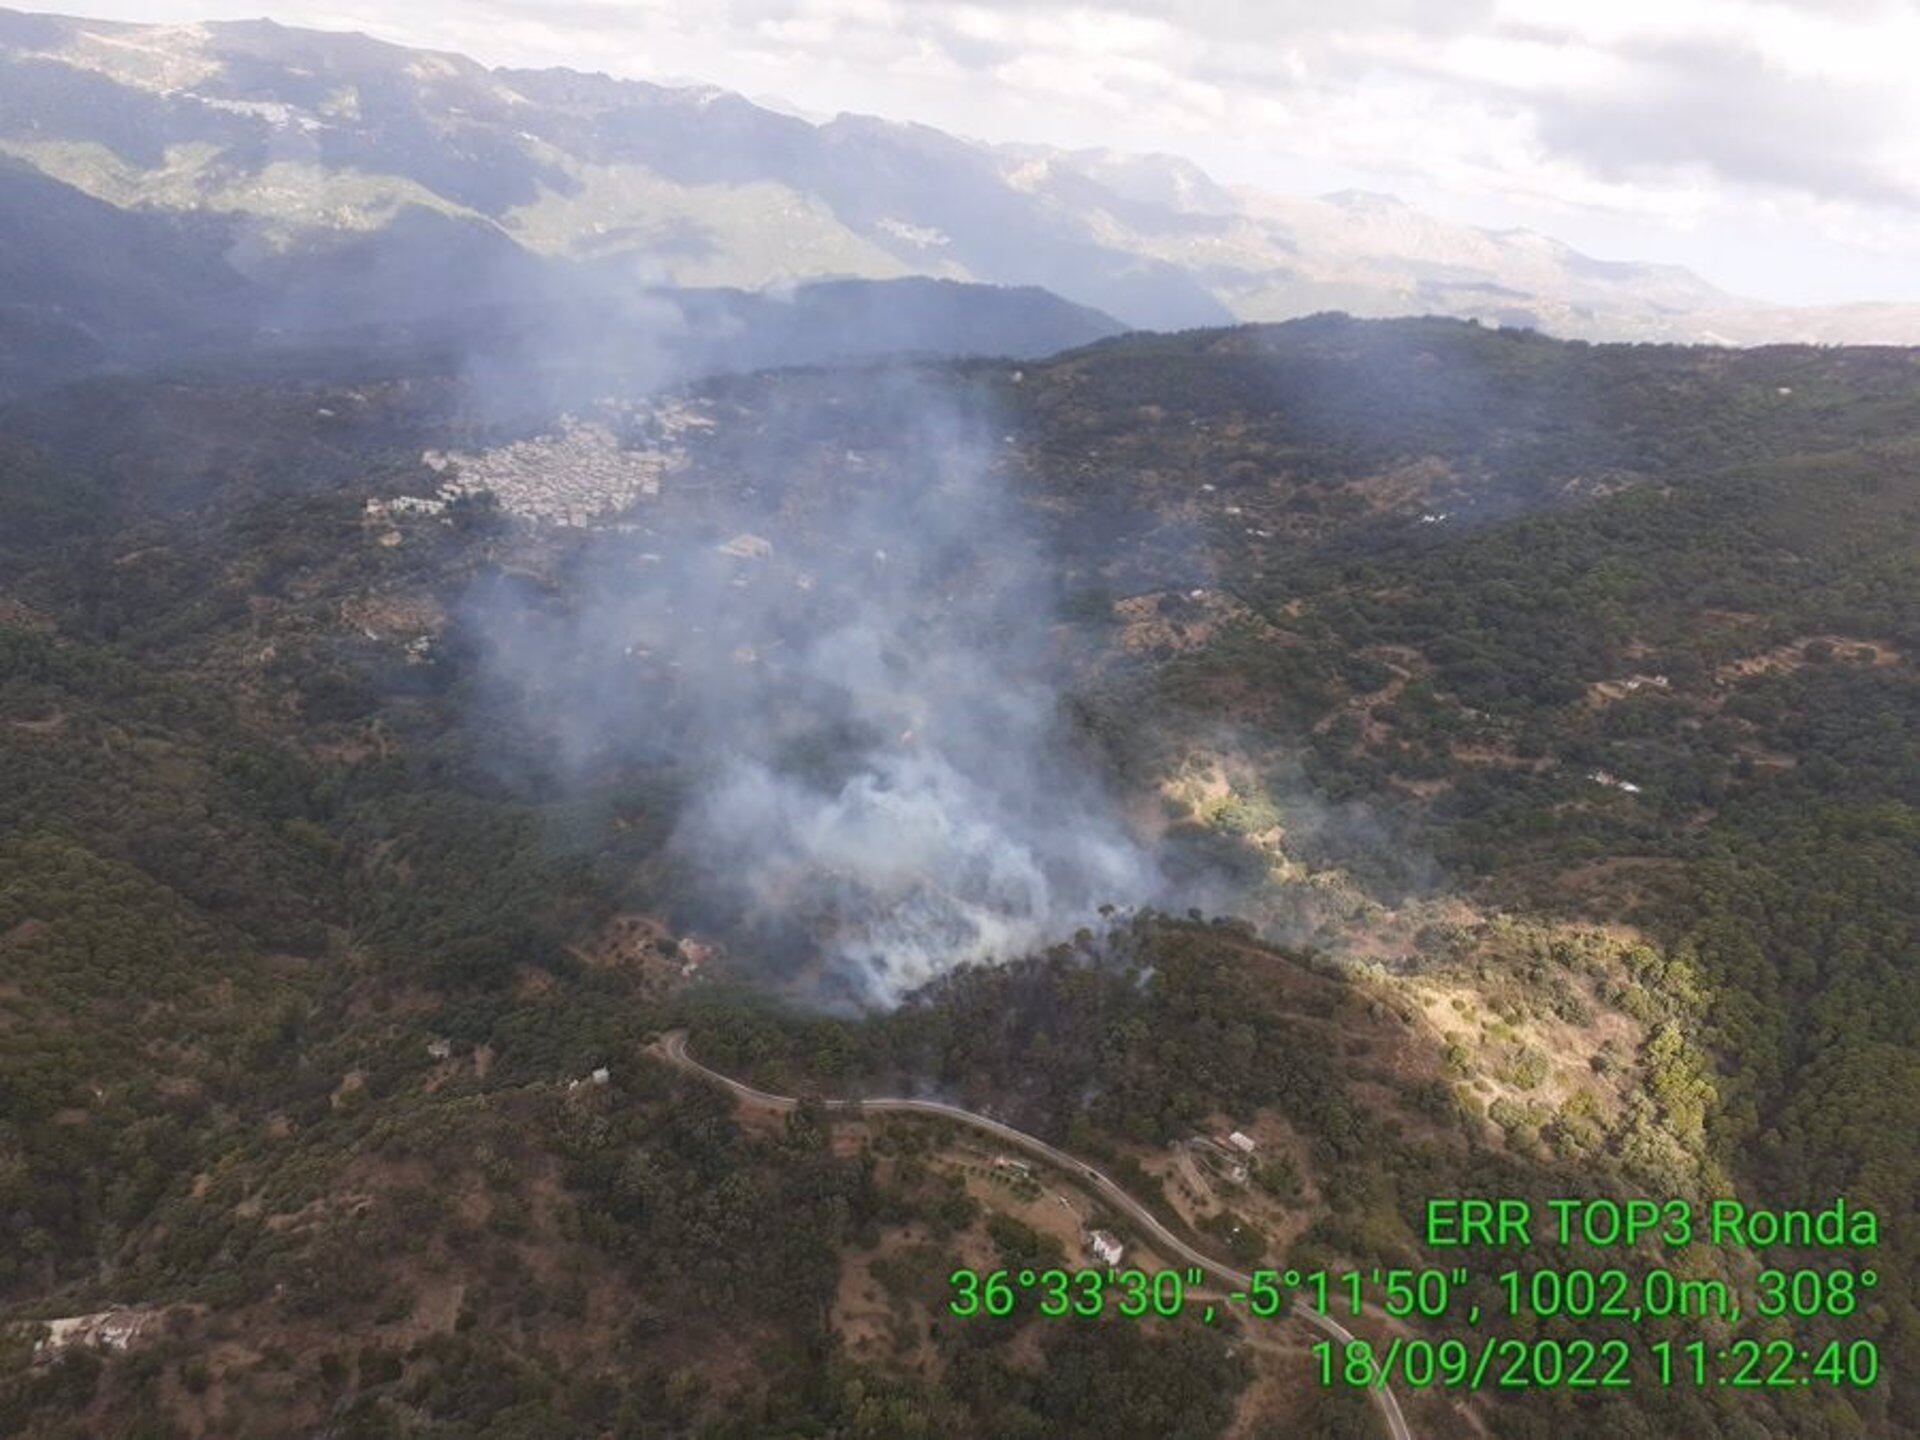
(1772, 145)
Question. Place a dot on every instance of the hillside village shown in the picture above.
(573, 477)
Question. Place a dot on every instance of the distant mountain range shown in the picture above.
(169, 184)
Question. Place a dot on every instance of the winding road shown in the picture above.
(672, 1047)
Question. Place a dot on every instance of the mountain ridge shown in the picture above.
(297, 134)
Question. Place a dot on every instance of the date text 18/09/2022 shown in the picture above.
(1612, 1294)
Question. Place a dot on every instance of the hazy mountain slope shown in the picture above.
(86, 285)
(153, 205)
(301, 132)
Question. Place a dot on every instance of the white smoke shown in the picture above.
(920, 865)
(870, 713)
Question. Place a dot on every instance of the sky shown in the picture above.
(1771, 145)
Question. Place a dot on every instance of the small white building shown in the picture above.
(747, 547)
(1613, 782)
(404, 505)
(104, 1330)
(1242, 1142)
(1106, 1247)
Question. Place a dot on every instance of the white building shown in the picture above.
(1106, 1248)
(104, 1330)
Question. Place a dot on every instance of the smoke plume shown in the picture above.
(849, 657)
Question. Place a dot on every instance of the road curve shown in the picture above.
(672, 1047)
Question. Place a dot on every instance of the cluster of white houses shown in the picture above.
(573, 477)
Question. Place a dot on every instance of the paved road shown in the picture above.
(673, 1048)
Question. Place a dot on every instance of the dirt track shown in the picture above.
(672, 1047)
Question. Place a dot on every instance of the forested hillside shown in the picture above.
(1529, 727)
